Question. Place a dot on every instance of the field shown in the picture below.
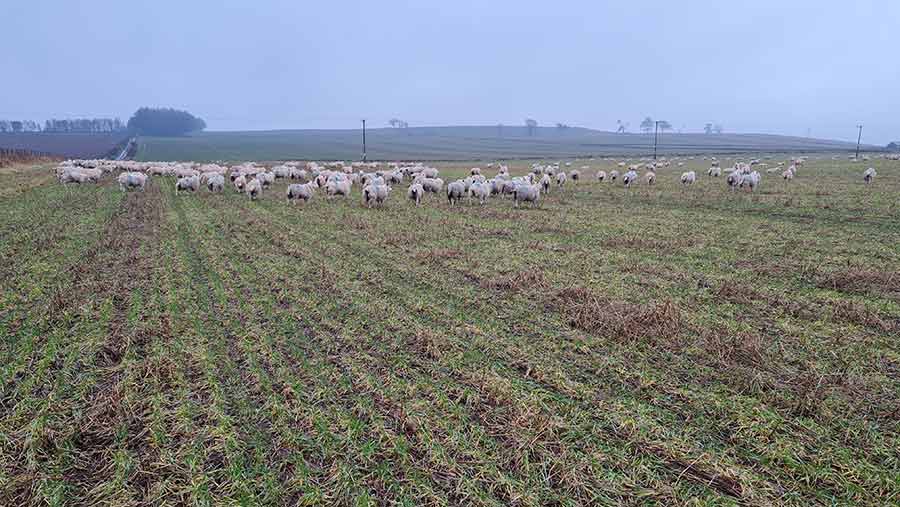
(72, 145)
(657, 345)
(457, 143)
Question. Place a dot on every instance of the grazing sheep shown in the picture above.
(266, 178)
(338, 187)
(527, 193)
(430, 172)
(299, 174)
(395, 177)
(375, 194)
(254, 188)
(132, 180)
(480, 190)
(545, 183)
(650, 178)
(415, 192)
(574, 175)
(751, 181)
(630, 177)
(688, 178)
(215, 182)
(191, 183)
(788, 175)
(240, 183)
(714, 171)
(560, 179)
(601, 175)
(869, 175)
(614, 174)
(734, 179)
(281, 171)
(431, 185)
(475, 171)
(455, 191)
(300, 192)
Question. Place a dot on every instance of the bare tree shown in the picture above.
(717, 128)
(621, 127)
(708, 128)
(531, 125)
(664, 125)
(647, 125)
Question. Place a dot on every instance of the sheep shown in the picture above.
(338, 187)
(788, 175)
(254, 188)
(496, 186)
(455, 191)
(281, 171)
(415, 193)
(614, 174)
(714, 171)
(574, 175)
(431, 185)
(480, 190)
(266, 178)
(869, 175)
(630, 177)
(430, 172)
(601, 175)
(240, 183)
(527, 193)
(395, 177)
(688, 178)
(560, 179)
(375, 194)
(298, 174)
(474, 171)
(132, 180)
(215, 182)
(545, 183)
(191, 183)
(750, 180)
(734, 179)
(650, 178)
(300, 192)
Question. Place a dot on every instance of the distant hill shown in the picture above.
(72, 145)
(461, 143)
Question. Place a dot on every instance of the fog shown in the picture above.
(798, 68)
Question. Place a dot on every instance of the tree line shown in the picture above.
(84, 125)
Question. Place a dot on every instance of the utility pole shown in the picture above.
(655, 137)
(364, 140)
(858, 138)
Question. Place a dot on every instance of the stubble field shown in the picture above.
(613, 346)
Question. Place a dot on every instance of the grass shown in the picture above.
(458, 143)
(656, 345)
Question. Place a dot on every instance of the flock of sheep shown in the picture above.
(337, 179)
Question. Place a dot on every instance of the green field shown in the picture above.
(659, 345)
(459, 143)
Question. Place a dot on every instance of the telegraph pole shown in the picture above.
(858, 138)
(364, 140)
(655, 137)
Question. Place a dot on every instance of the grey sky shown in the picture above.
(763, 66)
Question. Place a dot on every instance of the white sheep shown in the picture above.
(474, 171)
(338, 187)
(714, 171)
(869, 175)
(688, 178)
(215, 182)
(240, 183)
(650, 178)
(630, 177)
(574, 175)
(375, 194)
(254, 188)
(300, 192)
(266, 178)
(615, 174)
(601, 175)
(788, 174)
(545, 183)
(527, 193)
(415, 192)
(561, 179)
(132, 180)
(480, 190)
(455, 191)
(751, 181)
(191, 183)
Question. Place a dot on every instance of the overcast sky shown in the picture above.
(779, 66)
